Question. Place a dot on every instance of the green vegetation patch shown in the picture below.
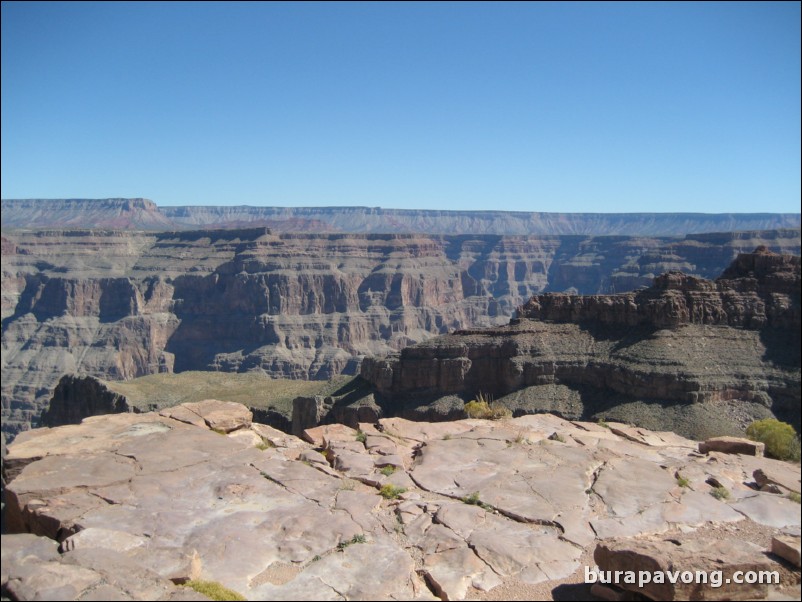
(780, 438)
(355, 539)
(483, 408)
(265, 444)
(253, 389)
(213, 590)
(720, 493)
(473, 500)
(391, 492)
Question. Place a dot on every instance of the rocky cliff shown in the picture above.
(733, 343)
(143, 214)
(127, 506)
(119, 305)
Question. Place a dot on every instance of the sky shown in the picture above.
(563, 107)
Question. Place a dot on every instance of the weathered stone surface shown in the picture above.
(119, 541)
(324, 436)
(788, 547)
(375, 570)
(769, 509)
(727, 556)
(781, 474)
(33, 570)
(141, 500)
(224, 416)
(22, 548)
(732, 445)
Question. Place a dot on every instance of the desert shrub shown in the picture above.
(361, 437)
(387, 470)
(355, 539)
(795, 497)
(391, 492)
(720, 493)
(473, 500)
(213, 590)
(265, 444)
(483, 408)
(780, 438)
(683, 481)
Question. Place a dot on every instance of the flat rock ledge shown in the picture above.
(130, 506)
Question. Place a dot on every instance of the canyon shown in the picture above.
(597, 346)
(694, 356)
(118, 305)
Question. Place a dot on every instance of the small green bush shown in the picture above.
(361, 437)
(391, 492)
(265, 444)
(795, 497)
(780, 438)
(355, 539)
(483, 408)
(683, 481)
(213, 590)
(720, 493)
(387, 470)
(473, 500)
(602, 423)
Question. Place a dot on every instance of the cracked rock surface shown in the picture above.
(129, 505)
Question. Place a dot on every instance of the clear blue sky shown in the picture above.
(528, 107)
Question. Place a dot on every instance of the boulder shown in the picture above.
(683, 560)
(788, 547)
(222, 416)
(732, 445)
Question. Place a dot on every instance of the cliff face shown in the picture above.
(142, 214)
(758, 290)
(685, 340)
(118, 305)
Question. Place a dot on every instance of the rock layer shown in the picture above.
(683, 341)
(118, 305)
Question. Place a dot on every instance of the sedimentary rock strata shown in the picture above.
(396, 510)
(682, 342)
(118, 305)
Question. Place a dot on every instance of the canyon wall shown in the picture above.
(683, 341)
(118, 305)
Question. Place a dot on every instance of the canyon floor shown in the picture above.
(125, 506)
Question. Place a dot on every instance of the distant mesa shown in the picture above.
(143, 214)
